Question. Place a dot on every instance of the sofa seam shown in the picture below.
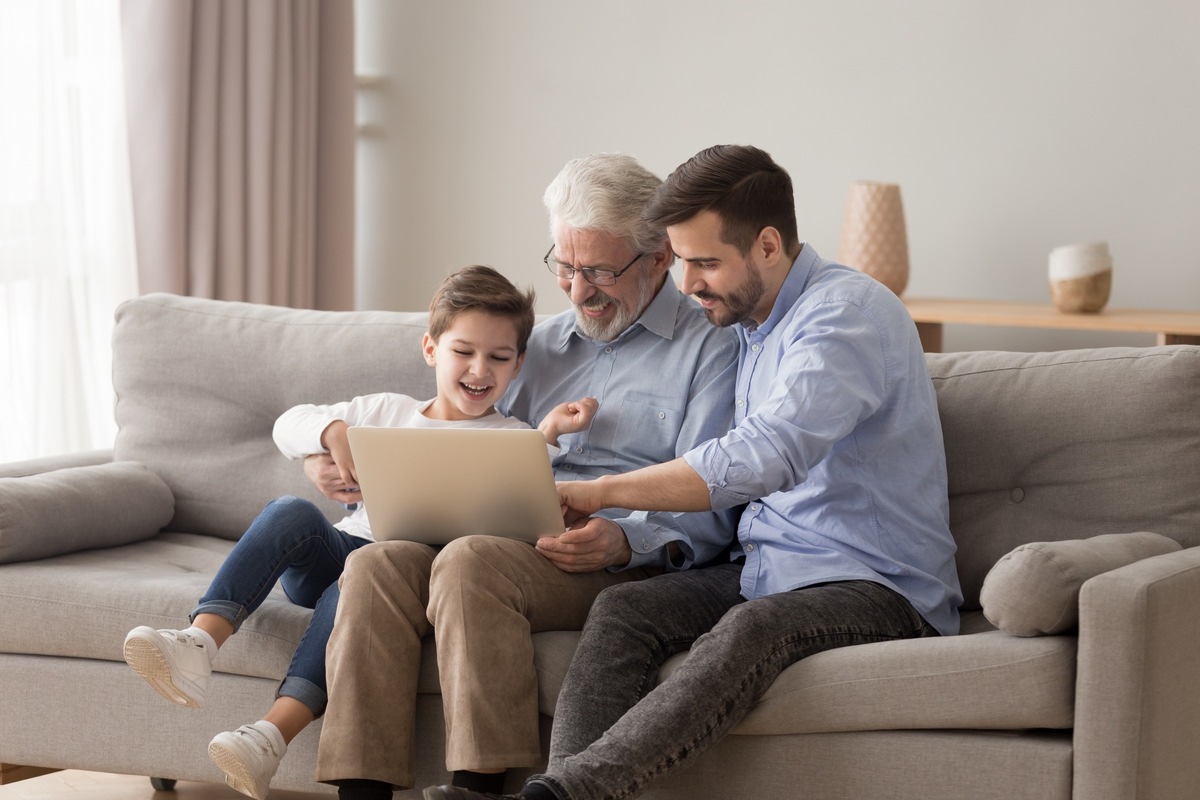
(1077, 361)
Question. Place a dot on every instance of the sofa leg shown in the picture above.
(11, 773)
(163, 784)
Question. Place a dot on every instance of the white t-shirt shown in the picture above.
(298, 432)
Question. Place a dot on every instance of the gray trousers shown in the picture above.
(615, 730)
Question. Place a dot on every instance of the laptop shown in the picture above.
(433, 485)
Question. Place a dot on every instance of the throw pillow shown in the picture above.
(80, 508)
(1034, 590)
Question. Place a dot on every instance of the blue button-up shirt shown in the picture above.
(664, 385)
(837, 446)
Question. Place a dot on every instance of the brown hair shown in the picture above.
(745, 188)
(479, 288)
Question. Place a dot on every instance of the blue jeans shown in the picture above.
(292, 542)
(615, 731)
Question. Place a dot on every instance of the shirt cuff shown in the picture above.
(645, 542)
(712, 464)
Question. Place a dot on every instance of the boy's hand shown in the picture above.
(590, 545)
(577, 415)
(569, 417)
(335, 440)
(324, 474)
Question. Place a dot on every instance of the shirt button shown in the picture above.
(608, 349)
(749, 548)
(662, 415)
(741, 403)
(579, 448)
(756, 347)
(1017, 495)
(755, 506)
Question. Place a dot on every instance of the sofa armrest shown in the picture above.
(36, 466)
(80, 508)
(1137, 711)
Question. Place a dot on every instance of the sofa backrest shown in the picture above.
(199, 384)
(1039, 446)
(1067, 445)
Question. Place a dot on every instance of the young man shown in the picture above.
(479, 325)
(487, 596)
(837, 452)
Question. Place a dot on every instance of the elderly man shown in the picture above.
(486, 596)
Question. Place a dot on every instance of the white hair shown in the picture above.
(606, 192)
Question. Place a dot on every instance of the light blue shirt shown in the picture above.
(837, 446)
(664, 385)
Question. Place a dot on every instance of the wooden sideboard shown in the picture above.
(931, 315)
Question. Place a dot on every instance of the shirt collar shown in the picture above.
(658, 318)
(798, 278)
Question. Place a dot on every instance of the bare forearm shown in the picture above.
(673, 486)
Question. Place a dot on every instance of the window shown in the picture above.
(66, 227)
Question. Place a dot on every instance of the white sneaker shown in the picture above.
(175, 663)
(249, 758)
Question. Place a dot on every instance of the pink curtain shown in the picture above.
(241, 132)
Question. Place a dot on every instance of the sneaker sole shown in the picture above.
(148, 661)
(237, 775)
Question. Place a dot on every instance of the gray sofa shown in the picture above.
(1051, 447)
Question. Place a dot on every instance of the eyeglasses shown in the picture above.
(596, 277)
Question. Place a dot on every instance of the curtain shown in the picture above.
(66, 231)
(241, 128)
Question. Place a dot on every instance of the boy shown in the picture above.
(479, 324)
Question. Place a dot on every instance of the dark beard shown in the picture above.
(739, 304)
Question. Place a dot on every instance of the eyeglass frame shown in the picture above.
(589, 274)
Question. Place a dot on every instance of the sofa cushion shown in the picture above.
(200, 383)
(1034, 590)
(81, 605)
(1067, 445)
(94, 506)
(981, 679)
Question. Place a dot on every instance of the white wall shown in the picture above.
(1011, 127)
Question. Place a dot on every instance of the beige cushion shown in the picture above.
(200, 383)
(1048, 447)
(79, 509)
(981, 679)
(1034, 589)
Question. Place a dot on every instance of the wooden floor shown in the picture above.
(74, 784)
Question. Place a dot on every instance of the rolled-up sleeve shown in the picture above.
(826, 376)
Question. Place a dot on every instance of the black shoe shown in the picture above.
(459, 793)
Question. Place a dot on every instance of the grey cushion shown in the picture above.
(200, 383)
(81, 606)
(80, 508)
(1034, 589)
(1067, 445)
(981, 679)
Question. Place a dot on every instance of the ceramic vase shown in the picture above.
(1080, 277)
(874, 238)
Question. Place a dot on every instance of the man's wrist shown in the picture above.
(604, 491)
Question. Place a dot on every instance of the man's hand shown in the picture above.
(579, 500)
(589, 546)
(324, 474)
